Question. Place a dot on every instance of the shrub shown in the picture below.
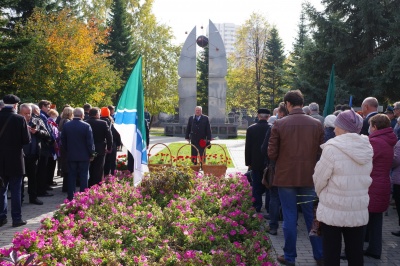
(173, 218)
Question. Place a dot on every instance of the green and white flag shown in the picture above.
(130, 122)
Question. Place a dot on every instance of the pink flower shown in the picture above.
(212, 238)
(232, 232)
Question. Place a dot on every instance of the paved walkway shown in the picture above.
(391, 244)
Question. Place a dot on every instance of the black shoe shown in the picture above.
(3, 222)
(49, 188)
(267, 217)
(46, 194)
(19, 223)
(396, 233)
(377, 257)
(36, 201)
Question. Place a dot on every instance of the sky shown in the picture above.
(183, 15)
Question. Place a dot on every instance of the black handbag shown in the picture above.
(268, 175)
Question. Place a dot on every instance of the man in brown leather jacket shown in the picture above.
(295, 147)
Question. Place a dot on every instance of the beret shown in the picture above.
(263, 111)
(11, 99)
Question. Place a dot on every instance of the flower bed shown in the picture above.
(172, 218)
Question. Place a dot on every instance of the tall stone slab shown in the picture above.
(217, 68)
(187, 84)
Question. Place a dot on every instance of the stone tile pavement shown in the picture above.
(391, 244)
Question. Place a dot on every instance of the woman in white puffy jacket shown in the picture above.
(341, 179)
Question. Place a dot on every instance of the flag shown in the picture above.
(351, 101)
(330, 96)
(130, 122)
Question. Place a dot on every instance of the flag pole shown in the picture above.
(330, 96)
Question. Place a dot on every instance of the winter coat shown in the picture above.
(342, 178)
(395, 178)
(382, 142)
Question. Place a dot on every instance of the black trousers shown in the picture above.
(396, 197)
(110, 162)
(194, 154)
(374, 231)
(51, 168)
(96, 170)
(42, 175)
(31, 165)
(131, 162)
(332, 244)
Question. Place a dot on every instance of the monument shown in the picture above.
(187, 85)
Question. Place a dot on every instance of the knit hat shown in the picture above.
(330, 121)
(349, 121)
(105, 112)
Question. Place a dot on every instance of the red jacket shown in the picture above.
(382, 142)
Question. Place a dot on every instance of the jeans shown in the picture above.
(258, 189)
(13, 183)
(274, 206)
(332, 243)
(289, 197)
(75, 169)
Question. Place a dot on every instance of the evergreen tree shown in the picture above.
(361, 38)
(202, 80)
(120, 45)
(12, 12)
(274, 65)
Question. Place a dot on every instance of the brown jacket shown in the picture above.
(295, 146)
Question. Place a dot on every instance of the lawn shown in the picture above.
(215, 150)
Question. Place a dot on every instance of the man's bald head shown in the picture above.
(369, 105)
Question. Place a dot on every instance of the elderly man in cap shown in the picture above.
(13, 136)
(254, 159)
(390, 113)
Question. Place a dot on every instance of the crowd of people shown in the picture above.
(34, 137)
(347, 162)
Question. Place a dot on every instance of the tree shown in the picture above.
(160, 60)
(241, 93)
(202, 80)
(362, 39)
(12, 12)
(274, 71)
(61, 64)
(119, 46)
(251, 38)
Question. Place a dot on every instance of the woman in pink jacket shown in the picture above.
(382, 140)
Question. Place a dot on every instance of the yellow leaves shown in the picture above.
(61, 63)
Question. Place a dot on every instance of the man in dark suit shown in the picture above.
(369, 108)
(77, 140)
(254, 159)
(198, 132)
(13, 136)
(102, 142)
(33, 149)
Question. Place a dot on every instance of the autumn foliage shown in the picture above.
(62, 62)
